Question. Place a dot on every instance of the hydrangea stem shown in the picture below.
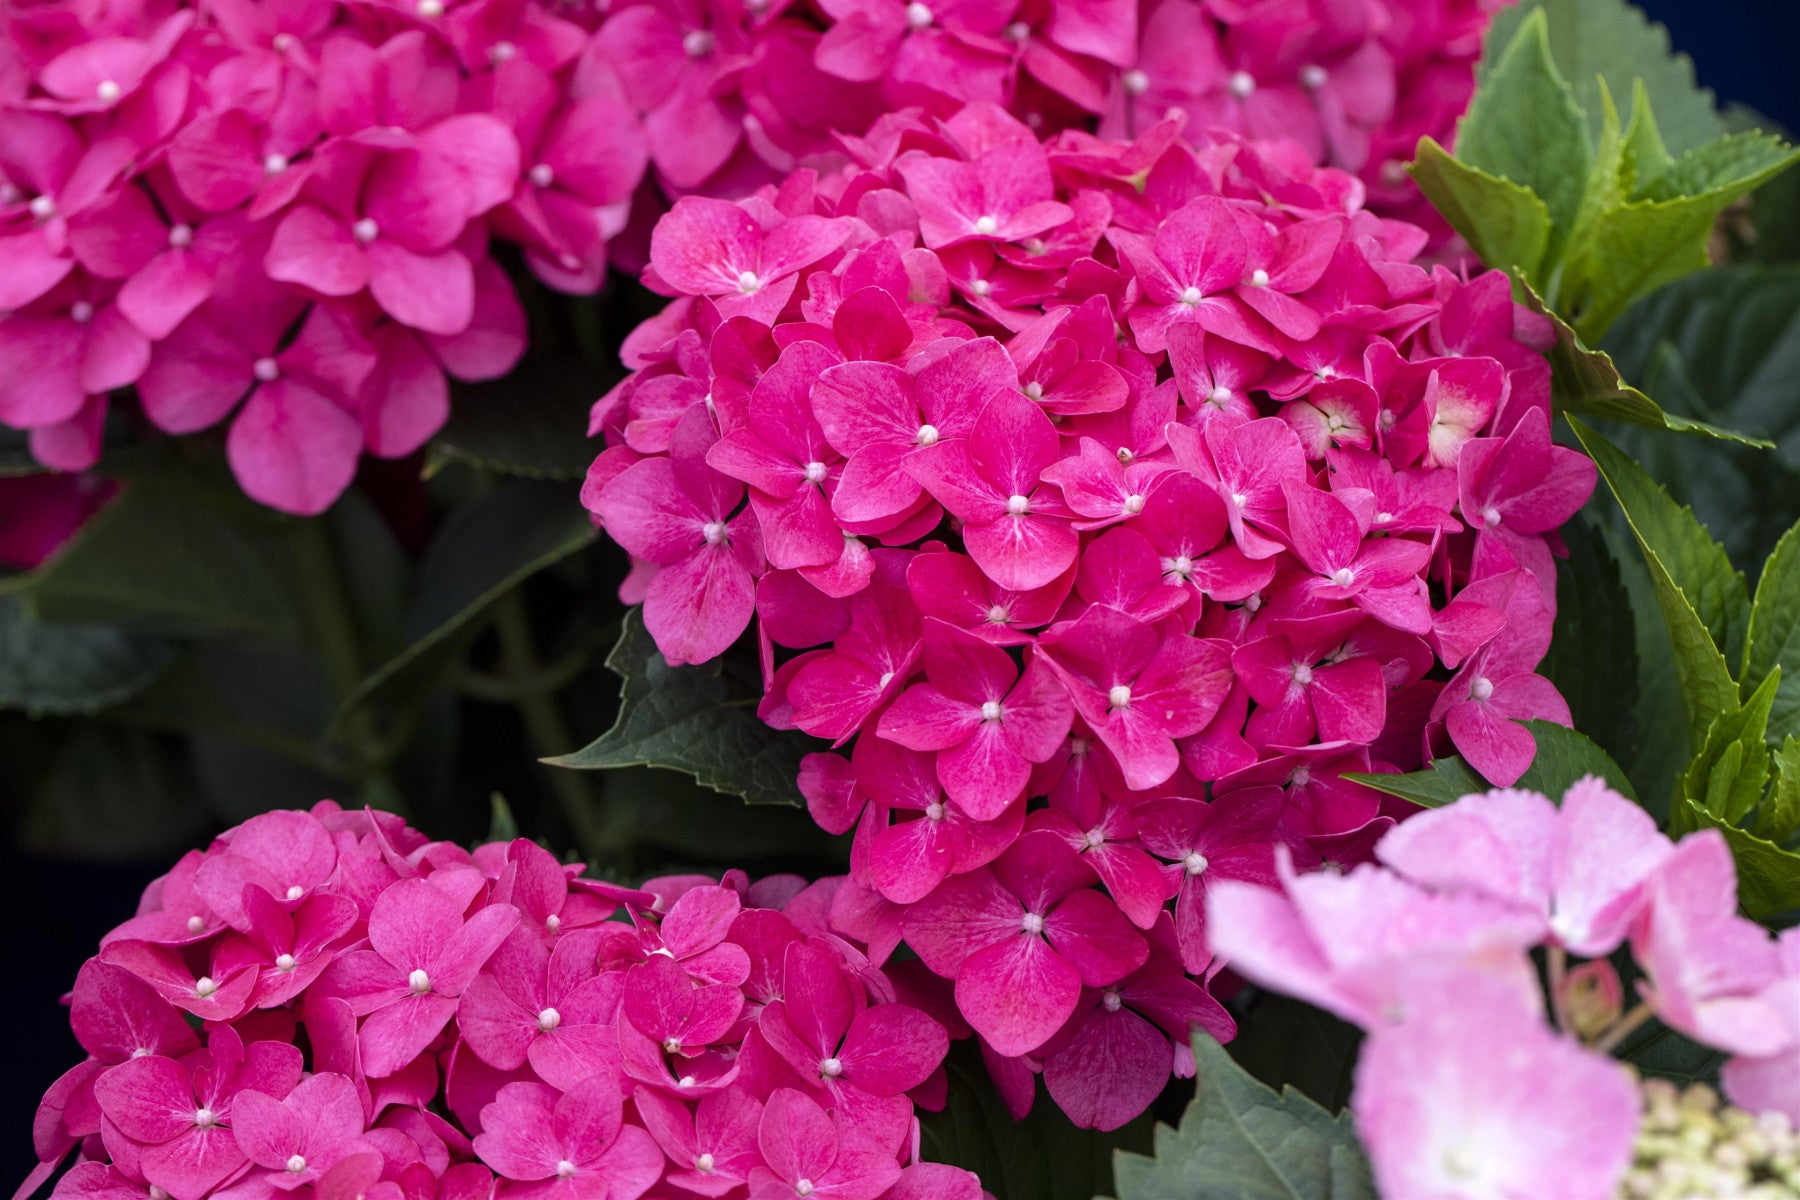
(544, 724)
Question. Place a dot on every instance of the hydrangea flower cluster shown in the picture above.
(278, 215)
(1690, 1144)
(1430, 953)
(1071, 481)
(327, 1000)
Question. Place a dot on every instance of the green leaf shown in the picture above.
(1586, 381)
(1595, 40)
(484, 550)
(1633, 249)
(1285, 1042)
(1768, 876)
(1506, 225)
(530, 423)
(698, 719)
(1779, 817)
(1523, 124)
(1043, 1157)
(1704, 600)
(502, 825)
(119, 795)
(1645, 156)
(1593, 659)
(72, 669)
(1727, 777)
(161, 560)
(1774, 639)
(1733, 165)
(1658, 1051)
(1563, 757)
(1240, 1140)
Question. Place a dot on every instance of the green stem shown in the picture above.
(1623, 1028)
(544, 723)
(333, 624)
(1558, 963)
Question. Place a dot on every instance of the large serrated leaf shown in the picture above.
(1586, 381)
(161, 559)
(1288, 1043)
(1043, 1157)
(1595, 40)
(1774, 639)
(484, 550)
(1241, 1140)
(1593, 659)
(1704, 600)
(1768, 875)
(1739, 161)
(698, 719)
(529, 423)
(1727, 776)
(63, 670)
(1563, 756)
(1779, 817)
(1505, 224)
(1523, 125)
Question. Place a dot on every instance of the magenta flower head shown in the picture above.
(1082, 481)
(449, 1024)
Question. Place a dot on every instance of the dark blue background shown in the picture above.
(52, 915)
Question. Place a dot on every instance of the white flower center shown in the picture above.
(918, 15)
(274, 164)
(1219, 397)
(564, 1169)
(1119, 696)
(748, 282)
(927, 435)
(986, 226)
(1194, 863)
(713, 532)
(1135, 82)
(1034, 390)
(542, 175)
(934, 811)
(831, 1068)
(990, 710)
(204, 986)
(1192, 296)
(1110, 1000)
(1134, 503)
(549, 1019)
(501, 52)
(296, 1164)
(553, 922)
(42, 207)
(704, 1164)
(1242, 84)
(285, 962)
(196, 923)
(419, 982)
(1490, 515)
(1032, 923)
(997, 615)
(1300, 777)
(981, 287)
(181, 236)
(431, 9)
(1459, 1163)
(698, 43)
(816, 472)
(686, 1081)
(1313, 76)
(295, 892)
(1094, 838)
(804, 1187)
(1303, 674)
(1343, 577)
(1259, 278)
(1017, 505)
(108, 91)
(1018, 31)
(81, 312)
(1382, 518)
(1482, 689)
(1078, 747)
(365, 230)
(204, 1118)
(887, 677)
